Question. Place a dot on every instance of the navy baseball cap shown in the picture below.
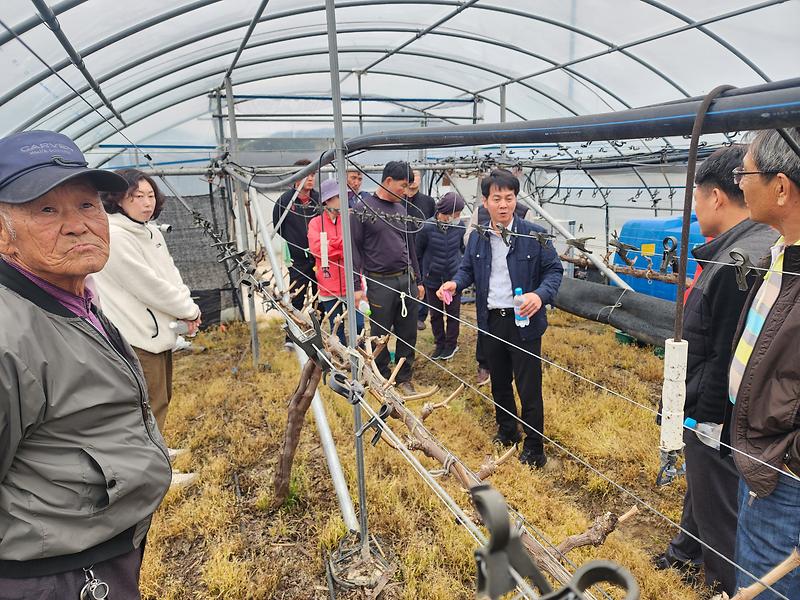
(450, 203)
(34, 162)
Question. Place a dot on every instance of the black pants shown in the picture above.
(387, 315)
(444, 336)
(507, 363)
(480, 353)
(710, 512)
(423, 310)
(120, 573)
(302, 277)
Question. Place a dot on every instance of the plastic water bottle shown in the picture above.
(518, 318)
(179, 327)
(708, 433)
(364, 308)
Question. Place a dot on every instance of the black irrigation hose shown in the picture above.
(758, 107)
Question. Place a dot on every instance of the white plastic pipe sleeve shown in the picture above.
(673, 394)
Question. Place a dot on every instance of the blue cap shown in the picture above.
(34, 162)
(518, 291)
(690, 423)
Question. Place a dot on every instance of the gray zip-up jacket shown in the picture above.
(82, 463)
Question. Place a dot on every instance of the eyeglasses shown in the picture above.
(739, 172)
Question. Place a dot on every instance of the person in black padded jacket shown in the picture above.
(439, 250)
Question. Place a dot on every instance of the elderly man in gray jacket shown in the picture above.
(82, 463)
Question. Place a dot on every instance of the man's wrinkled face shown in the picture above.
(61, 235)
(354, 180)
(759, 193)
(500, 204)
(397, 188)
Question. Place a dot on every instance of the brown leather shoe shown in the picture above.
(407, 388)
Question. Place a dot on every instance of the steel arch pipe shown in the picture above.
(292, 55)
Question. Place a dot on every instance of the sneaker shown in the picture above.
(421, 325)
(448, 353)
(535, 460)
(506, 439)
(181, 344)
(483, 377)
(407, 388)
(437, 354)
(289, 345)
(182, 480)
(175, 453)
(688, 569)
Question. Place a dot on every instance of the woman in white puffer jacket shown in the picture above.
(140, 288)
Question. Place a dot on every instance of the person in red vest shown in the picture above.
(325, 243)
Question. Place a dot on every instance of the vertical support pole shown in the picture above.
(572, 35)
(502, 114)
(475, 121)
(341, 173)
(570, 249)
(228, 187)
(220, 123)
(421, 154)
(320, 418)
(242, 218)
(360, 111)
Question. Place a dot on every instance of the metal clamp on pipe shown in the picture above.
(743, 266)
(348, 388)
(504, 551)
(670, 256)
(623, 249)
(543, 238)
(504, 559)
(383, 413)
(505, 234)
(482, 231)
(309, 342)
(580, 244)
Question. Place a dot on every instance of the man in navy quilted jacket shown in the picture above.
(439, 250)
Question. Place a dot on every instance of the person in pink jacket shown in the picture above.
(325, 243)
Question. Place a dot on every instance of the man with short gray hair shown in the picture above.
(761, 420)
(82, 463)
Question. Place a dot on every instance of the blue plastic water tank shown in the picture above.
(641, 232)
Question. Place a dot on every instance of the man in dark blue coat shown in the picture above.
(497, 266)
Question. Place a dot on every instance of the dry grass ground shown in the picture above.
(218, 539)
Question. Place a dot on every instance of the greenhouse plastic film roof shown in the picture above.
(157, 65)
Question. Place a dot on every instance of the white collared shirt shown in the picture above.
(501, 293)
